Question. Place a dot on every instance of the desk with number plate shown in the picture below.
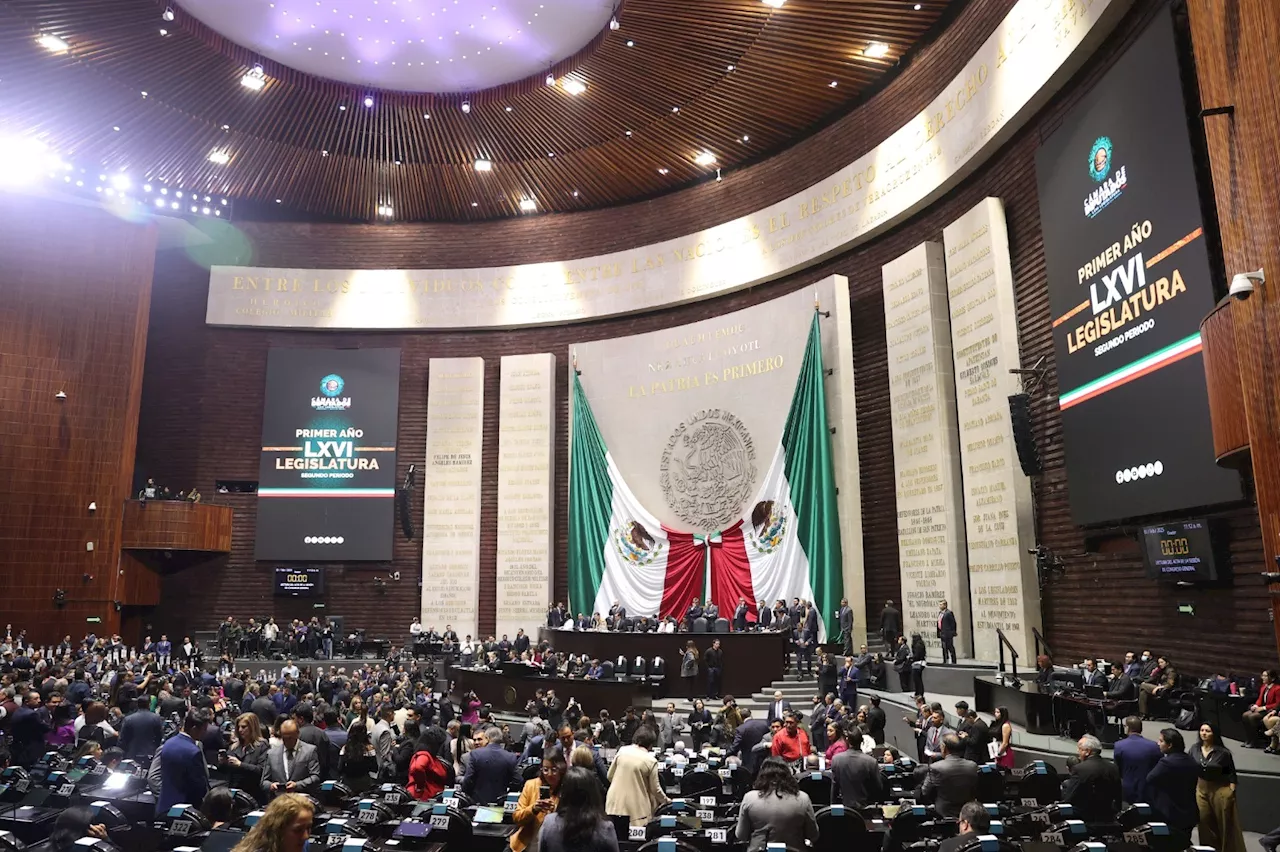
(751, 660)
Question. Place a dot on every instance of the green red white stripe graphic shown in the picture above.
(1170, 354)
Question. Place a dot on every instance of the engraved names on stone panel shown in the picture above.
(1004, 592)
(451, 491)
(926, 451)
(526, 421)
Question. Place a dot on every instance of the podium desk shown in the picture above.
(751, 660)
(509, 690)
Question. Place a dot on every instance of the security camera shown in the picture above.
(63, 394)
(1242, 284)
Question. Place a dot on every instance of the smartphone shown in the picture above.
(544, 792)
(222, 756)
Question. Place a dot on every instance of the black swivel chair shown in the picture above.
(818, 786)
(843, 830)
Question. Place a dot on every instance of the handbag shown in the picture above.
(759, 841)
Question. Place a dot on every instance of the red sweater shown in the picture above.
(426, 776)
(1269, 696)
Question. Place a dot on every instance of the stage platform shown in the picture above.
(1259, 773)
(953, 679)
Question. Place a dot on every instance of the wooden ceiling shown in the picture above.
(292, 141)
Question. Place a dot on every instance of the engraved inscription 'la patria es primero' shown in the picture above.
(708, 469)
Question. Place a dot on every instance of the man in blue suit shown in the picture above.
(1171, 787)
(491, 770)
(1135, 757)
(141, 732)
(184, 776)
(285, 701)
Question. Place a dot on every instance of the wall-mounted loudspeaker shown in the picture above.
(406, 519)
(1024, 439)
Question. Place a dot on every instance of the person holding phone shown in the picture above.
(538, 797)
(579, 823)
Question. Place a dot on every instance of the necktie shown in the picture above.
(288, 759)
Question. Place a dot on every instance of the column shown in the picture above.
(451, 485)
(926, 446)
(526, 419)
(1004, 592)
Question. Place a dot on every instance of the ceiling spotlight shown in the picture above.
(718, 177)
(52, 43)
(385, 210)
(551, 153)
(146, 187)
(613, 24)
(631, 43)
(466, 107)
(833, 84)
(876, 50)
(575, 193)
(164, 190)
(144, 94)
(324, 153)
(221, 158)
(484, 165)
(204, 210)
(917, 7)
(255, 79)
(551, 79)
(675, 109)
(116, 128)
(178, 193)
(193, 208)
(342, 107)
(121, 182)
(23, 160)
(746, 139)
(475, 204)
(163, 31)
(705, 158)
(427, 116)
(159, 202)
(224, 202)
(368, 101)
(777, 4)
(628, 132)
(168, 13)
(663, 171)
(730, 68)
(508, 109)
(279, 200)
(573, 86)
(528, 205)
(217, 212)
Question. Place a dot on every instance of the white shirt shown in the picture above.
(271, 630)
(289, 671)
(415, 628)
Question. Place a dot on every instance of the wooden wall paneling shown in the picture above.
(74, 289)
(173, 525)
(1226, 397)
(1233, 42)
(1103, 605)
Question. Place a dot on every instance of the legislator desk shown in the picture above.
(509, 690)
(751, 660)
(1028, 705)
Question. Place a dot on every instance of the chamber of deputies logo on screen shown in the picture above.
(329, 400)
(1111, 185)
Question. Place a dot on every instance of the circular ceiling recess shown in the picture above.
(410, 45)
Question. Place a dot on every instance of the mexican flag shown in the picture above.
(787, 544)
(617, 550)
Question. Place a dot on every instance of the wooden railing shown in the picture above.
(176, 525)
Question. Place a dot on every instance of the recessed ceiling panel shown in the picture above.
(410, 45)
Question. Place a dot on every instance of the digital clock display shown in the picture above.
(1180, 551)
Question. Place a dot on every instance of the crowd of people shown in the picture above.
(151, 491)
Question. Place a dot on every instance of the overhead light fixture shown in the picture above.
(551, 153)
(575, 193)
(663, 171)
(221, 158)
(159, 201)
(146, 187)
(52, 43)
(746, 139)
(167, 14)
(22, 161)
(121, 182)
(342, 107)
(705, 158)
(833, 84)
(466, 107)
(730, 68)
(777, 4)
(876, 50)
(718, 177)
(551, 79)
(628, 132)
(613, 24)
(631, 43)
(385, 210)
(573, 85)
(163, 31)
(368, 101)
(475, 204)
(508, 109)
(484, 165)
(675, 109)
(254, 79)
(427, 116)
(917, 7)
(528, 205)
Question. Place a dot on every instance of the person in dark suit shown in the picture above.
(184, 776)
(950, 782)
(1135, 757)
(304, 715)
(1093, 787)
(292, 766)
(856, 779)
(694, 612)
(1093, 676)
(1120, 687)
(740, 615)
(141, 732)
(845, 617)
(890, 624)
(1171, 786)
(974, 822)
(764, 615)
(27, 729)
(745, 739)
(947, 632)
(809, 621)
(779, 708)
(491, 770)
(974, 733)
(876, 721)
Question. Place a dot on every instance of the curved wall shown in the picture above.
(202, 401)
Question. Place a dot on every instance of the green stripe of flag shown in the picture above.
(1141, 364)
